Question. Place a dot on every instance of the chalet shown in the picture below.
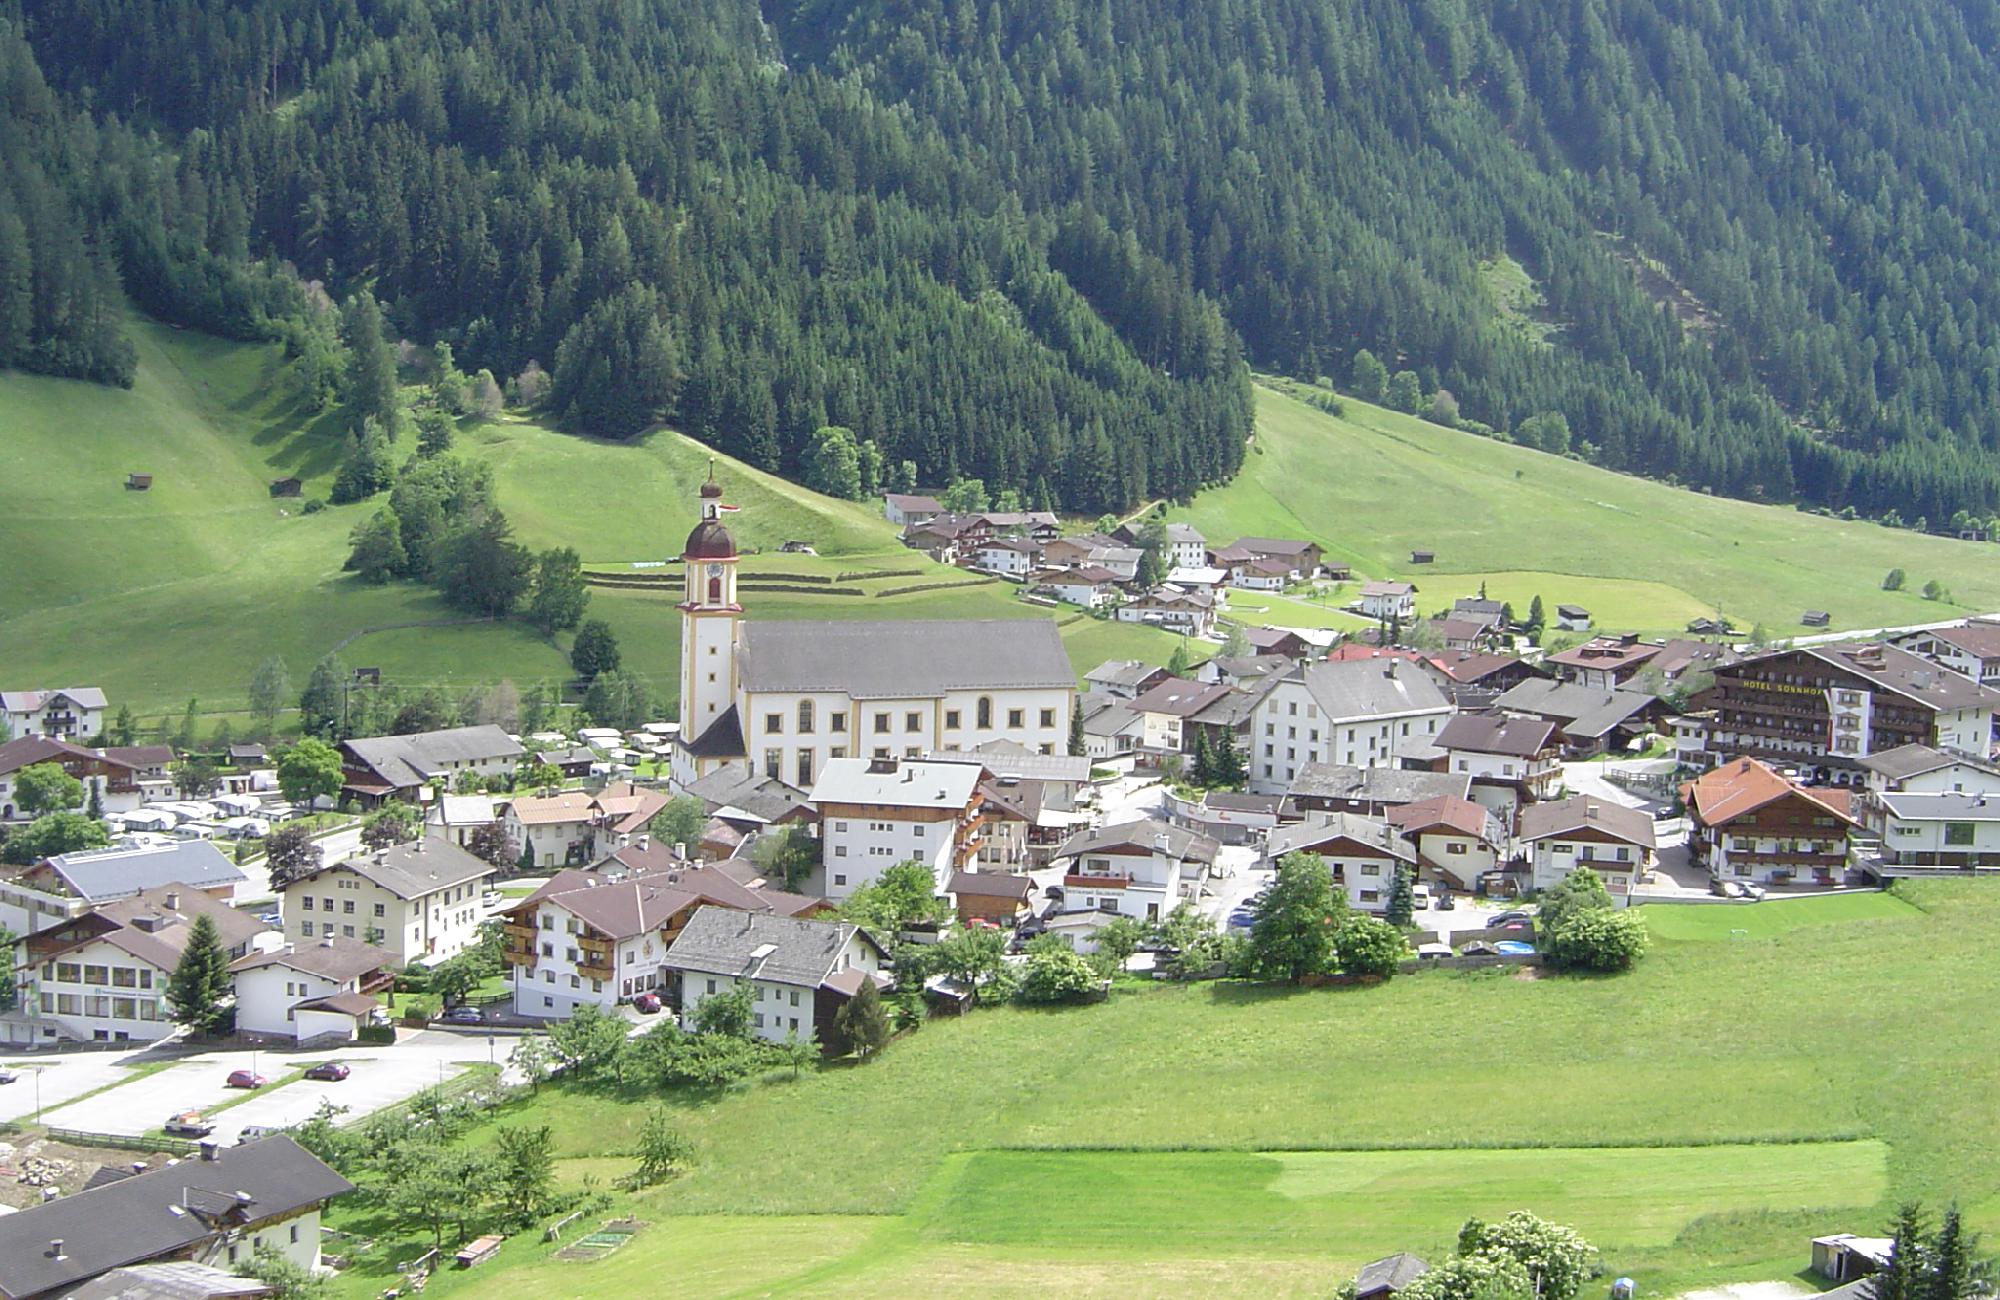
(800, 971)
(1972, 649)
(174, 1224)
(1461, 634)
(1590, 720)
(1388, 600)
(1231, 718)
(1010, 557)
(1191, 613)
(1352, 713)
(71, 713)
(1710, 627)
(1200, 578)
(1163, 712)
(1489, 614)
(1228, 816)
(574, 761)
(1583, 831)
(1572, 618)
(876, 813)
(1111, 728)
(1088, 585)
(990, 896)
(1369, 791)
(1825, 707)
(321, 992)
(1186, 547)
(1457, 840)
(1142, 869)
(102, 976)
(1475, 678)
(749, 801)
(1750, 823)
(904, 508)
(1603, 663)
(380, 768)
(1258, 573)
(1303, 558)
(1124, 678)
(1679, 656)
(1362, 853)
(572, 827)
(1511, 760)
(1279, 641)
(417, 901)
(122, 777)
(936, 539)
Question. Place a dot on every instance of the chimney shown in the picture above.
(56, 1248)
(209, 1150)
(173, 900)
(644, 842)
(881, 765)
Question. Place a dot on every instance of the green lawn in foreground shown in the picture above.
(1376, 484)
(1705, 1115)
(1773, 916)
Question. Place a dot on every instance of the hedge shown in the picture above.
(934, 586)
(881, 573)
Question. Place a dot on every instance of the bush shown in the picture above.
(1368, 945)
(1056, 974)
(1596, 939)
(313, 506)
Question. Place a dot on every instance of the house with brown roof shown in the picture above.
(800, 971)
(574, 827)
(1583, 831)
(310, 993)
(993, 896)
(1457, 840)
(1604, 662)
(1362, 853)
(1389, 600)
(1142, 868)
(1512, 760)
(124, 776)
(1972, 649)
(1749, 822)
(1164, 711)
(1825, 707)
(904, 508)
(1300, 558)
(1475, 678)
(1189, 612)
(102, 976)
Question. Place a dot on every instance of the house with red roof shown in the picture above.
(1750, 822)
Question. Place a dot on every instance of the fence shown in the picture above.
(118, 1141)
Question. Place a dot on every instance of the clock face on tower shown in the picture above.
(715, 571)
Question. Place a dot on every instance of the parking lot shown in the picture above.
(372, 1085)
(59, 1079)
(142, 1104)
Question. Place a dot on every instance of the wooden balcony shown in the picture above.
(1079, 880)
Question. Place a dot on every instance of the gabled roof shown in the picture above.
(1905, 761)
(1606, 652)
(461, 810)
(1944, 806)
(406, 761)
(1742, 786)
(1892, 668)
(1123, 672)
(1540, 821)
(1372, 833)
(554, 809)
(100, 875)
(904, 659)
(26, 751)
(1446, 813)
(1497, 733)
(175, 1280)
(896, 783)
(160, 1213)
(84, 697)
(909, 502)
(1384, 785)
(1351, 691)
(1980, 640)
(714, 883)
(1275, 545)
(782, 949)
(331, 958)
(152, 925)
(991, 884)
(1177, 697)
(1581, 711)
(415, 869)
(1387, 588)
(1147, 834)
(1467, 666)
(1390, 1273)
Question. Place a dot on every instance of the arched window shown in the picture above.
(805, 717)
(715, 591)
(985, 711)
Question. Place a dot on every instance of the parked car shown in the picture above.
(251, 1132)
(188, 1124)
(274, 919)
(1446, 903)
(7, 1075)
(1513, 917)
(1420, 896)
(647, 1004)
(1755, 893)
(245, 1079)
(464, 1016)
(329, 1072)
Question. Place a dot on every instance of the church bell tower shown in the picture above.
(709, 617)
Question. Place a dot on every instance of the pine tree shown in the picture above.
(1204, 759)
(1402, 900)
(1954, 1272)
(200, 982)
(1077, 745)
(1905, 1275)
(1229, 770)
(864, 1021)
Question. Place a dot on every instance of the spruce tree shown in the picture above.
(1954, 1272)
(1204, 759)
(864, 1021)
(201, 980)
(1402, 900)
(1905, 1275)
(1077, 746)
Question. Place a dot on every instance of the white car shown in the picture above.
(1420, 897)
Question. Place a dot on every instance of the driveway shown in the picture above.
(142, 1104)
(373, 1085)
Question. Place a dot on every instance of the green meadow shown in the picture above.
(1373, 485)
(1700, 1119)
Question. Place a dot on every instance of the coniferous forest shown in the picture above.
(1041, 243)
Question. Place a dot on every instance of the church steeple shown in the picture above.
(709, 616)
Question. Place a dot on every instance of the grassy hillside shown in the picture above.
(1791, 1069)
(182, 590)
(1375, 484)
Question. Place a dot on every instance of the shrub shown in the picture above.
(1368, 945)
(1596, 939)
(1056, 974)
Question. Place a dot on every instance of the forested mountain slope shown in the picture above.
(1022, 241)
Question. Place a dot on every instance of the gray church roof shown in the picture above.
(903, 659)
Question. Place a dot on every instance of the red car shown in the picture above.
(647, 1004)
(246, 1079)
(328, 1072)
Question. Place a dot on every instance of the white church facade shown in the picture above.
(785, 697)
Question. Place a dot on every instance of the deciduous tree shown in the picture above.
(1293, 933)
